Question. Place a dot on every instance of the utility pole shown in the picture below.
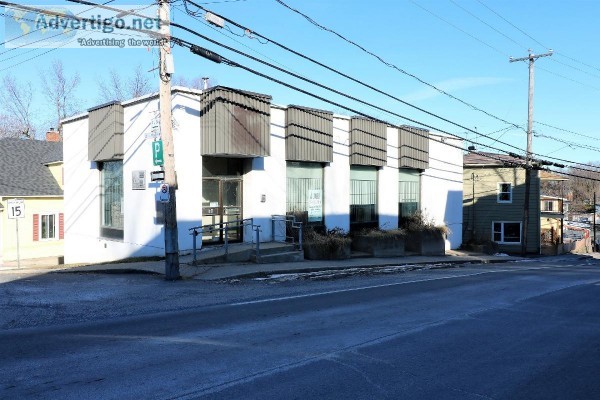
(531, 57)
(166, 134)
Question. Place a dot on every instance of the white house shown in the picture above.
(237, 156)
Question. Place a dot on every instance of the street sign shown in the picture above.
(157, 176)
(16, 208)
(164, 195)
(157, 152)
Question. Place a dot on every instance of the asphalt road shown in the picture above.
(506, 331)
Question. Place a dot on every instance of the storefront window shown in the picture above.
(305, 191)
(363, 197)
(409, 192)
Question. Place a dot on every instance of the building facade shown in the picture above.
(238, 156)
(494, 202)
(31, 200)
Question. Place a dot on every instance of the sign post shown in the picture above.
(16, 211)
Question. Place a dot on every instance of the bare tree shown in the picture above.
(16, 119)
(194, 83)
(118, 88)
(582, 185)
(59, 91)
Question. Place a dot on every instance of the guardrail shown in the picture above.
(288, 221)
(225, 227)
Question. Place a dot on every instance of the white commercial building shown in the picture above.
(237, 156)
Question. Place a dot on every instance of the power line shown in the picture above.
(334, 90)
(456, 27)
(355, 80)
(177, 25)
(565, 130)
(569, 79)
(395, 67)
(534, 39)
(38, 29)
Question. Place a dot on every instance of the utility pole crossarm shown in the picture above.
(531, 56)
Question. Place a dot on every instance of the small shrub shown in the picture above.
(420, 222)
(382, 234)
(333, 244)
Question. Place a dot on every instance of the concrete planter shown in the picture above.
(426, 243)
(379, 246)
(320, 251)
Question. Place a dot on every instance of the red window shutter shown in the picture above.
(61, 226)
(36, 227)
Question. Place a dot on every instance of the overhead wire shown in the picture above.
(393, 66)
(362, 83)
(353, 98)
(179, 41)
(534, 39)
(336, 71)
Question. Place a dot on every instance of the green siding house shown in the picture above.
(494, 202)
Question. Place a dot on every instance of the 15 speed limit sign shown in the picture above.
(16, 208)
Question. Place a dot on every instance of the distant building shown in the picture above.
(494, 199)
(31, 171)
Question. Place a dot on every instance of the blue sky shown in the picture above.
(459, 46)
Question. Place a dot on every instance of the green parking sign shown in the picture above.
(157, 153)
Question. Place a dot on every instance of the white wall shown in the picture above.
(143, 234)
(267, 176)
(81, 197)
(388, 185)
(337, 178)
(442, 185)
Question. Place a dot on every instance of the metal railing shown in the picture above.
(291, 230)
(225, 227)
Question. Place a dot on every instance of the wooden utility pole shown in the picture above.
(166, 134)
(528, 165)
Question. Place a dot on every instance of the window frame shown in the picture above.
(499, 192)
(303, 168)
(110, 232)
(41, 224)
(549, 206)
(356, 206)
(403, 182)
(502, 241)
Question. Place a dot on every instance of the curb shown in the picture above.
(262, 274)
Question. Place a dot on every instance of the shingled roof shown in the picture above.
(491, 159)
(22, 167)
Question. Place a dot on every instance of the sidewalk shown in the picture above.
(237, 270)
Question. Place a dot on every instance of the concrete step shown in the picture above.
(280, 248)
(289, 256)
(240, 253)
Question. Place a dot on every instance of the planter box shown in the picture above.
(316, 251)
(426, 243)
(379, 246)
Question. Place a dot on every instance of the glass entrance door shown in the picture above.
(221, 204)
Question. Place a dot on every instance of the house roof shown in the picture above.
(22, 167)
(481, 158)
(552, 176)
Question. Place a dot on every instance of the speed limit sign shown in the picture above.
(16, 208)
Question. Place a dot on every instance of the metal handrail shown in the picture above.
(294, 224)
(224, 226)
